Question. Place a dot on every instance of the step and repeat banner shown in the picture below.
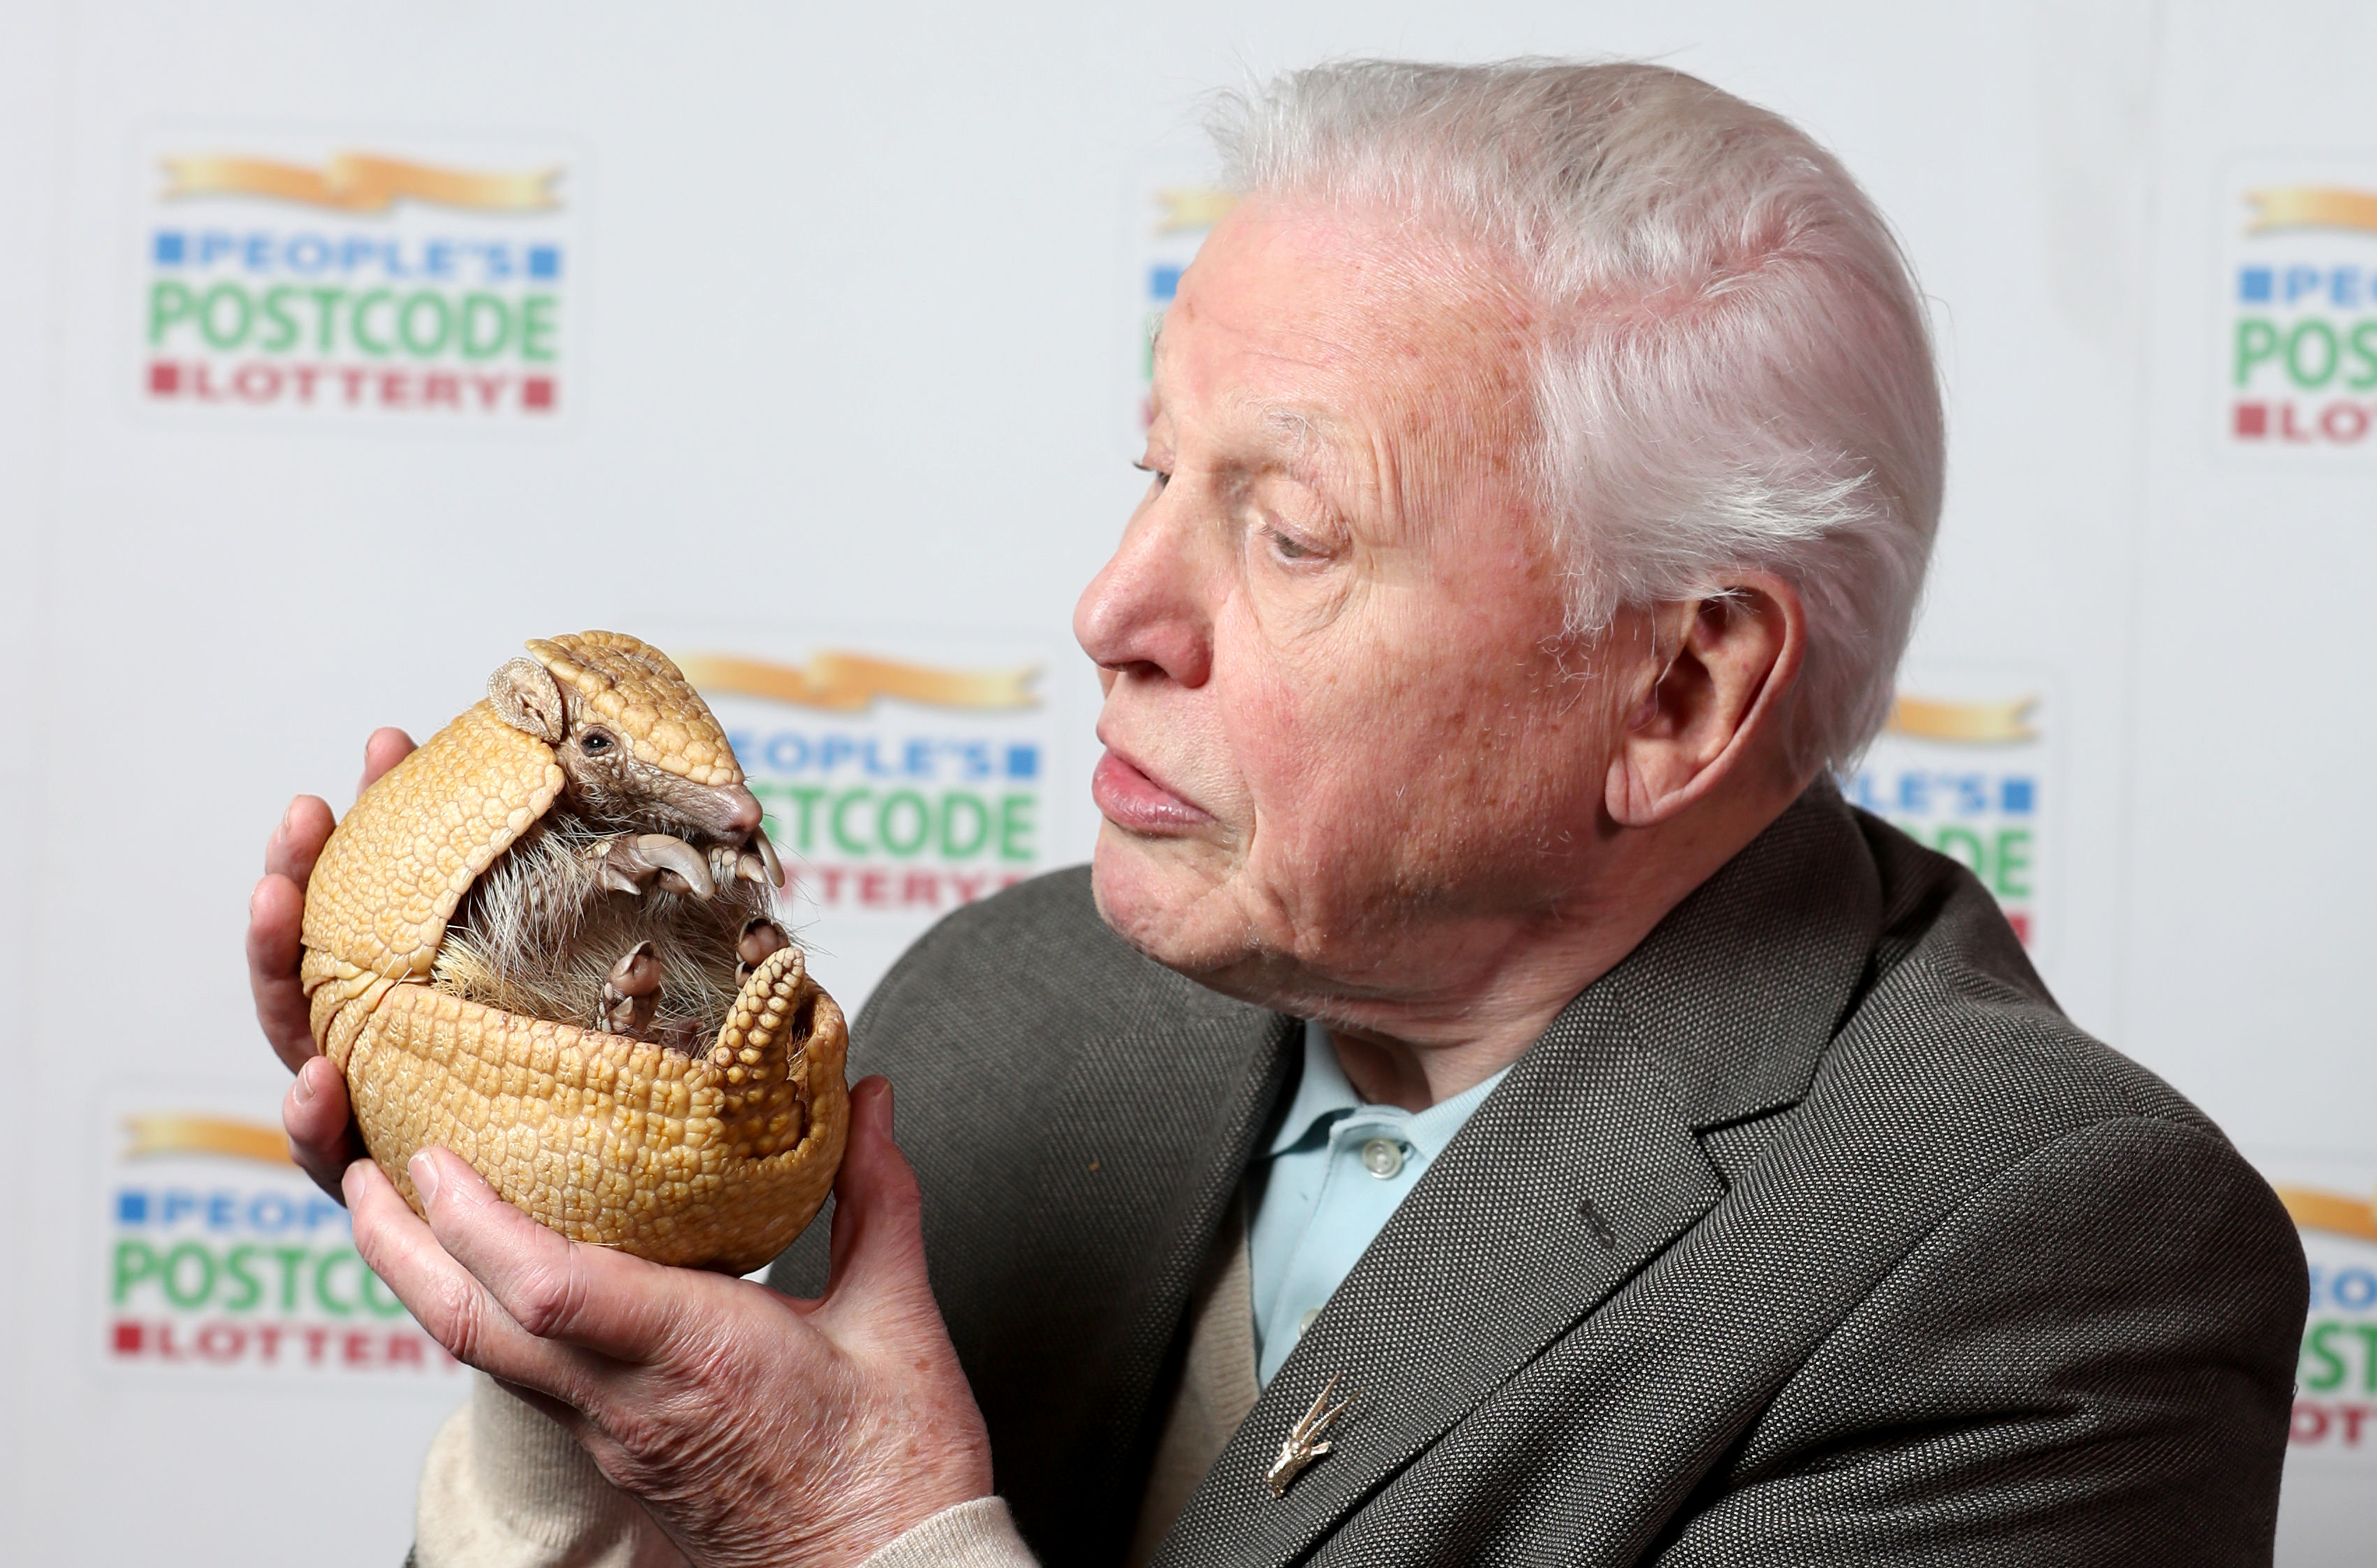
(341, 352)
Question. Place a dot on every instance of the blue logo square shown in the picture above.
(2014, 797)
(1022, 761)
(2254, 285)
(131, 1207)
(1163, 280)
(168, 248)
(545, 262)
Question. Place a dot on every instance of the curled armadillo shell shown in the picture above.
(714, 1155)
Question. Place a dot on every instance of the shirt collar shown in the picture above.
(1324, 1094)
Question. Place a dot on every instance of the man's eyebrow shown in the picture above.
(1297, 426)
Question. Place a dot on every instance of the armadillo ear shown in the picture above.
(525, 694)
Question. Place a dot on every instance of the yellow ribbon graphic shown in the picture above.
(177, 1132)
(2312, 207)
(1193, 206)
(353, 181)
(2312, 1209)
(850, 683)
(1964, 724)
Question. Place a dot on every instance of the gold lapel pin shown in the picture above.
(1300, 1450)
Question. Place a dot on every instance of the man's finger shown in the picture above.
(320, 1127)
(297, 839)
(606, 1301)
(387, 748)
(445, 1298)
(276, 915)
(878, 1250)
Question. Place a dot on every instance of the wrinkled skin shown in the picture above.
(1353, 770)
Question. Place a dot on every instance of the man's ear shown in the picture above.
(1714, 700)
(525, 694)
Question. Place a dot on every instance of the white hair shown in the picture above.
(1735, 373)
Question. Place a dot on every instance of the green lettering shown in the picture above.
(805, 797)
(1015, 826)
(2368, 1333)
(838, 819)
(323, 1265)
(325, 301)
(2013, 876)
(281, 327)
(196, 1295)
(243, 315)
(365, 303)
(920, 823)
(2316, 1343)
(134, 1260)
(412, 312)
(249, 1289)
(2364, 344)
(293, 1262)
(168, 302)
(1963, 844)
(2311, 330)
(2256, 340)
(536, 327)
(486, 326)
(956, 803)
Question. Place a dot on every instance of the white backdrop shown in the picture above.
(837, 351)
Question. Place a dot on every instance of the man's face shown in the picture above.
(1337, 723)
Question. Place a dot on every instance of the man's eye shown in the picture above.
(1288, 548)
(1162, 477)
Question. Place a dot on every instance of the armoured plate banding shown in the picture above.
(719, 1159)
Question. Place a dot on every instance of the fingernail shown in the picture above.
(423, 1171)
(306, 1084)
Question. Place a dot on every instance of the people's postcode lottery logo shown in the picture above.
(309, 281)
(902, 780)
(2334, 1203)
(2298, 326)
(1964, 766)
(218, 1258)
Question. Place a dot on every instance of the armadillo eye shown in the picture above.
(594, 742)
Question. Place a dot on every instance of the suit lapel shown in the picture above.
(1583, 1167)
(1143, 1148)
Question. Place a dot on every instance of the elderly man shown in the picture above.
(1490, 1100)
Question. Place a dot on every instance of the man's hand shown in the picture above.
(755, 1429)
(321, 1131)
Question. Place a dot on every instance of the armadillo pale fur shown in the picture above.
(717, 1159)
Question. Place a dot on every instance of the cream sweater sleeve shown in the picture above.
(507, 1487)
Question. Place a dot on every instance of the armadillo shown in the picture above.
(546, 940)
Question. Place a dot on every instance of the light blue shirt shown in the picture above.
(1331, 1178)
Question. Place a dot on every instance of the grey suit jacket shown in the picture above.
(1810, 1233)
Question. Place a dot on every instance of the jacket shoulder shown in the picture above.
(1035, 959)
(1952, 1007)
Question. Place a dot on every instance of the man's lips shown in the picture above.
(1137, 804)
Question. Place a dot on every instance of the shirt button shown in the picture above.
(1306, 1320)
(1382, 1157)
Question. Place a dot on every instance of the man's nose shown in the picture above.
(1143, 611)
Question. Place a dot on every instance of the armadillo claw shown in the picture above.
(761, 937)
(632, 993)
(631, 863)
(767, 852)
